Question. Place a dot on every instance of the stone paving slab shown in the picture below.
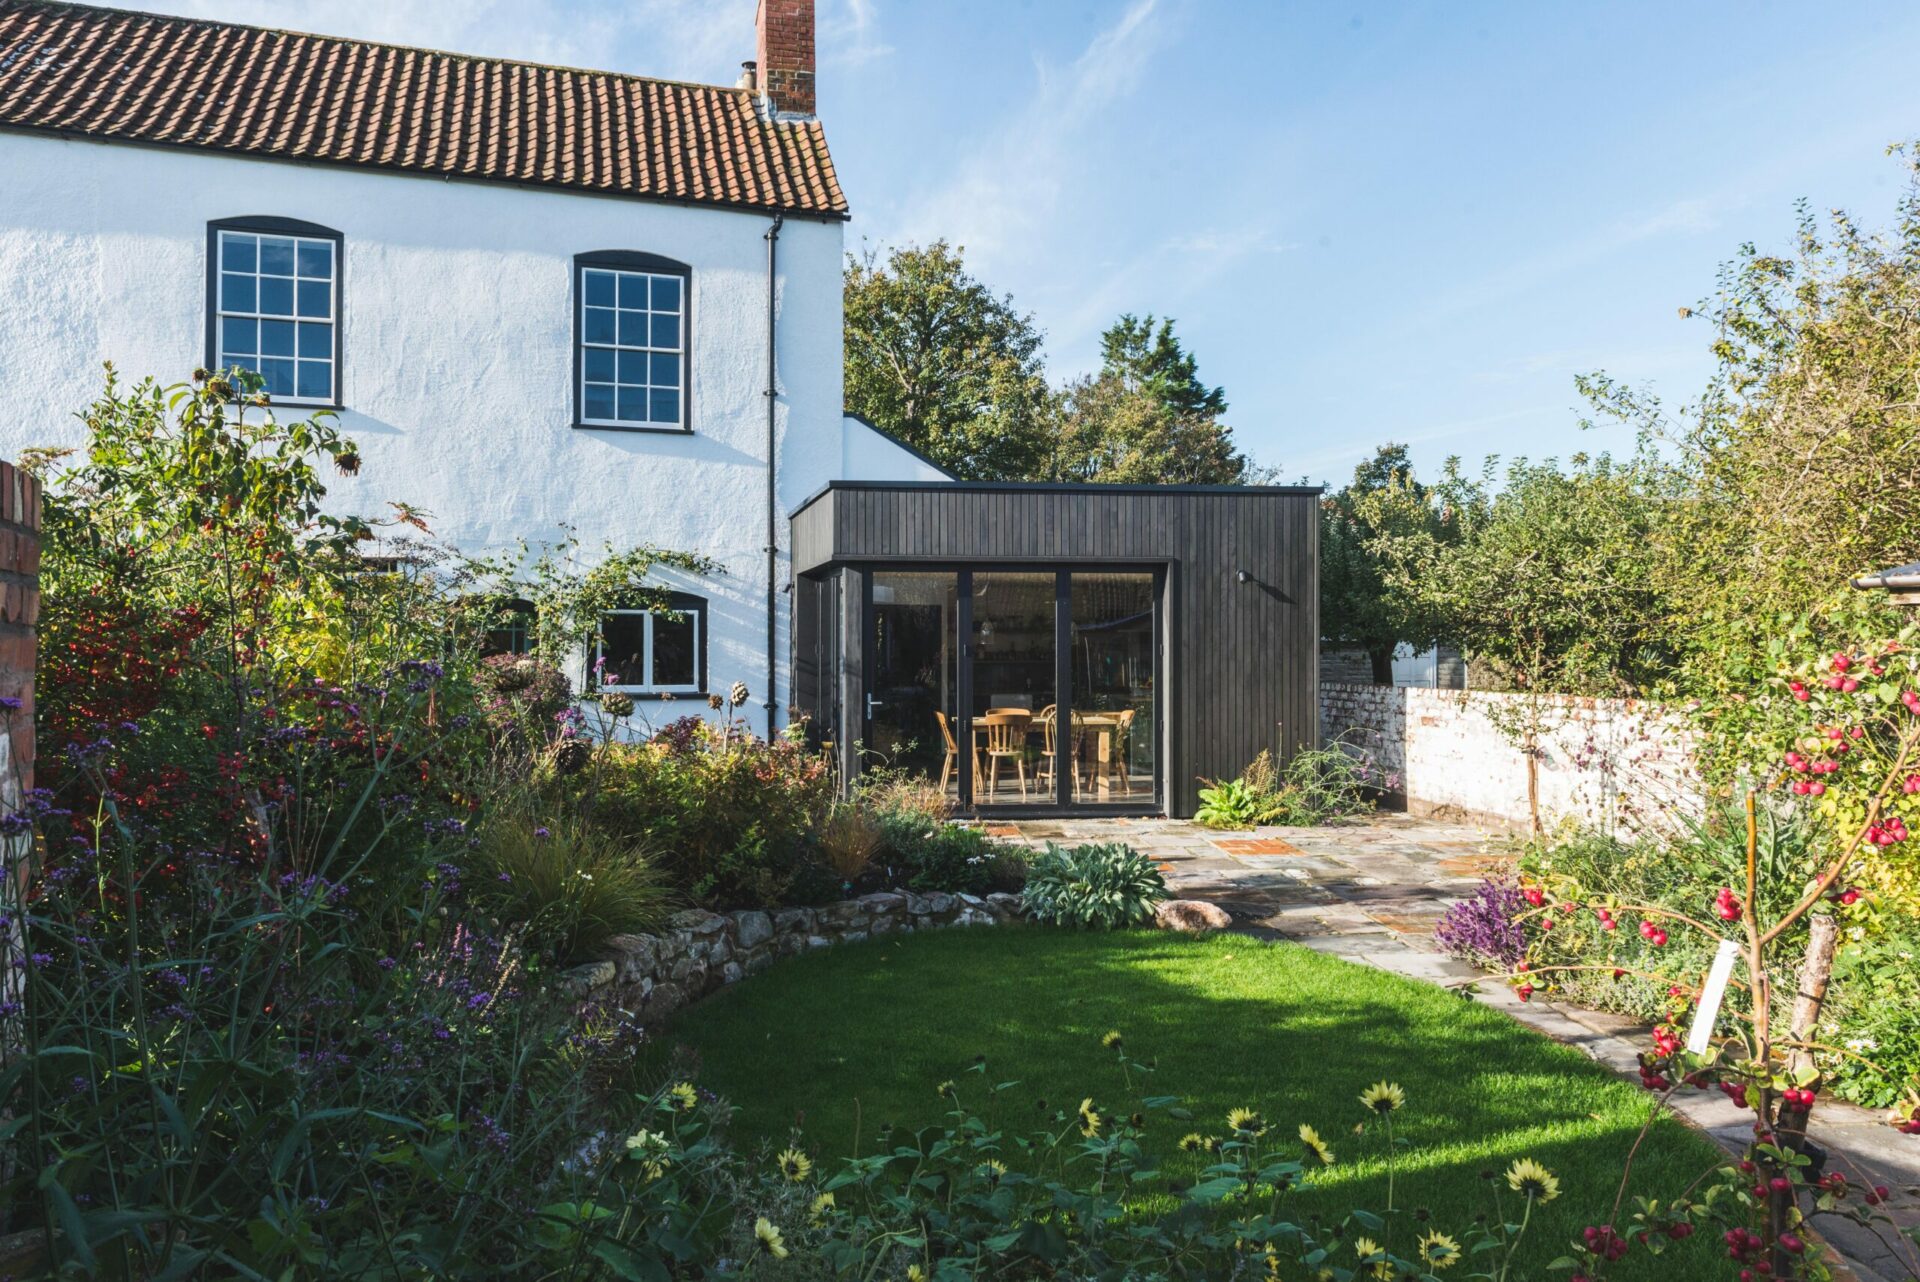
(1371, 891)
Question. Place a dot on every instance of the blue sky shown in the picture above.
(1372, 221)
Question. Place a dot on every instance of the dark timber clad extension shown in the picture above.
(1239, 610)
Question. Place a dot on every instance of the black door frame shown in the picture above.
(963, 571)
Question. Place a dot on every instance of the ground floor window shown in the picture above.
(652, 652)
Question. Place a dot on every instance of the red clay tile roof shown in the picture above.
(148, 78)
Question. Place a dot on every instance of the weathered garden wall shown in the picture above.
(651, 976)
(1608, 762)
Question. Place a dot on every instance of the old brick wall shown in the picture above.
(1613, 763)
(19, 610)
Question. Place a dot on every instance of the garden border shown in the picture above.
(651, 976)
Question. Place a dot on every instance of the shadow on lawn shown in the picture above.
(840, 1042)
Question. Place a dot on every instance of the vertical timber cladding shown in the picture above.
(1241, 664)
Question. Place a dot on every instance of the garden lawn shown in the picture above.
(841, 1041)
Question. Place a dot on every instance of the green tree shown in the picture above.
(1146, 417)
(1383, 504)
(1547, 576)
(1800, 462)
(933, 357)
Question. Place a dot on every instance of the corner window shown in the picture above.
(631, 317)
(273, 305)
(648, 652)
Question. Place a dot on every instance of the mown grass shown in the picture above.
(840, 1042)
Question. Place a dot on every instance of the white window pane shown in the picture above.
(600, 289)
(622, 650)
(276, 296)
(599, 400)
(666, 331)
(665, 404)
(665, 369)
(236, 292)
(237, 251)
(316, 380)
(279, 376)
(633, 367)
(316, 298)
(315, 258)
(276, 256)
(666, 293)
(276, 338)
(316, 341)
(599, 326)
(632, 405)
(633, 329)
(675, 650)
(598, 365)
(238, 337)
(633, 290)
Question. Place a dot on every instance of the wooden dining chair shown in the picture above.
(1006, 739)
(1120, 755)
(953, 750)
(1049, 727)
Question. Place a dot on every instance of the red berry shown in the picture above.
(1524, 992)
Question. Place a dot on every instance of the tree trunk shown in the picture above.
(1823, 937)
(1382, 666)
(1532, 749)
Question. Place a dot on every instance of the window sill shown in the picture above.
(653, 696)
(633, 427)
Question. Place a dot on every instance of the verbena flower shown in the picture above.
(1533, 1181)
(1383, 1097)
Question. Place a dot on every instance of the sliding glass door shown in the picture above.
(1016, 689)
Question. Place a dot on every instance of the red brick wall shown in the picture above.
(785, 52)
(19, 604)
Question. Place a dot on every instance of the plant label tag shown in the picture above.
(1701, 1035)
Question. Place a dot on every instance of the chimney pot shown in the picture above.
(748, 80)
(784, 38)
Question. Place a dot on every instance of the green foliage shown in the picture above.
(931, 854)
(1099, 885)
(1384, 506)
(1146, 417)
(933, 357)
(567, 884)
(729, 823)
(1317, 786)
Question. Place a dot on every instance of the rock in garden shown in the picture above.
(1195, 916)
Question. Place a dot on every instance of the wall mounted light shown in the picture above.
(1241, 576)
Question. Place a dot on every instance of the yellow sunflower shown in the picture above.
(651, 1151)
(768, 1235)
(819, 1207)
(794, 1164)
(684, 1097)
(1533, 1181)
(946, 1089)
(1195, 1142)
(1244, 1121)
(1090, 1119)
(1111, 1041)
(1315, 1145)
(1383, 1097)
(1438, 1251)
(992, 1170)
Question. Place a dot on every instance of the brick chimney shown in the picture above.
(784, 51)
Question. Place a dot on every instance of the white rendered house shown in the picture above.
(536, 297)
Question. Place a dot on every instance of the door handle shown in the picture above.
(873, 703)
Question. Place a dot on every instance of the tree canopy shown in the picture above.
(1382, 508)
(935, 358)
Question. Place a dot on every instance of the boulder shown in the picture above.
(793, 921)
(754, 929)
(635, 955)
(1003, 906)
(1195, 916)
(885, 902)
(696, 921)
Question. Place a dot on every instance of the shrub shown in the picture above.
(522, 699)
(932, 854)
(1233, 803)
(567, 883)
(1104, 885)
(1318, 785)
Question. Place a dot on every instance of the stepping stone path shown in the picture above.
(1372, 891)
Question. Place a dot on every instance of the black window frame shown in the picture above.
(683, 603)
(274, 225)
(629, 260)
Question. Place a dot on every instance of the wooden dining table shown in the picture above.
(1099, 736)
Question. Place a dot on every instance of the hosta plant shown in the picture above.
(1103, 885)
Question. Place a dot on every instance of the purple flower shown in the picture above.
(1483, 928)
(388, 963)
(11, 704)
(478, 1000)
(542, 833)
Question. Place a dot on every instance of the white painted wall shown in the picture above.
(1608, 763)
(867, 454)
(458, 362)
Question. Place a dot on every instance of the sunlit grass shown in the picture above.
(845, 1040)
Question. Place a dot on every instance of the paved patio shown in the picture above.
(1371, 891)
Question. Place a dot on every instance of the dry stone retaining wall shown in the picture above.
(651, 976)
(1613, 763)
